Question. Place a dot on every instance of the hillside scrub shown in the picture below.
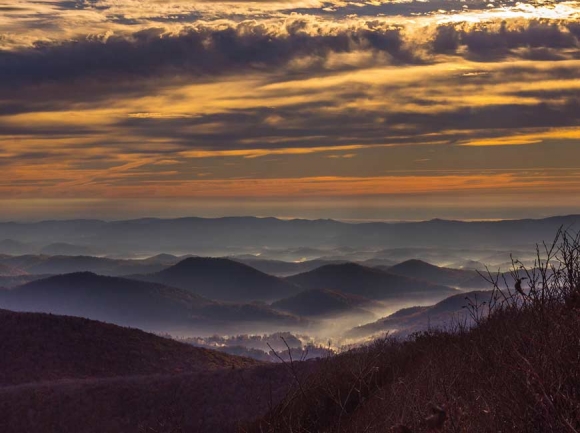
(517, 369)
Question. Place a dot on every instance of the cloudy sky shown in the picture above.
(295, 108)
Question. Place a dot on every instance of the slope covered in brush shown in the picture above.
(515, 369)
(44, 347)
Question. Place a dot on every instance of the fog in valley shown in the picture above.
(251, 286)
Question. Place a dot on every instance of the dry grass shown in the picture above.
(516, 370)
(204, 401)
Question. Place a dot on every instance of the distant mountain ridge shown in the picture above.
(439, 275)
(134, 303)
(324, 302)
(182, 233)
(283, 268)
(10, 271)
(66, 264)
(446, 313)
(371, 283)
(222, 279)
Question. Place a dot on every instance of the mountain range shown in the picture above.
(438, 275)
(9, 271)
(39, 264)
(185, 234)
(449, 312)
(371, 283)
(222, 279)
(137, 303)
(282, 268)
(324, 302)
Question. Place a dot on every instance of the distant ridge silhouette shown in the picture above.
(130, 302)
(372, 283)
(223, 279)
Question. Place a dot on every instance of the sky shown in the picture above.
(357, 110)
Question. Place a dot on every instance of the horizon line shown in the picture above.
(289, 219)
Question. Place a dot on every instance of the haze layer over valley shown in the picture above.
(323, 281)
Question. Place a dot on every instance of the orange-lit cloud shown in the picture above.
(288, 99)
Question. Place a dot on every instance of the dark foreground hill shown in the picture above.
(323, 302)
(200, 402)
(222, 279)
(96, 377)
(40, 347)
(141, 304)
(371, 283)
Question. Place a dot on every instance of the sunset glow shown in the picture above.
(379, 101)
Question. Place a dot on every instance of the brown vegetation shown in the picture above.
(213, 401)
(517, 370)
(39, 347)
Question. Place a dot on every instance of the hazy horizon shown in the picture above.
(360, 210)
(354, 110)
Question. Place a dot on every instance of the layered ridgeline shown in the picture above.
(439, 275)
(182, 233)
(41, 264)
(137, 303)
(371, 283)
(282, 268)
(10, 271)
(222, 279)
(447, 313)
(323, 303)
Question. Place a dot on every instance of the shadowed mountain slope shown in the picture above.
(44, 347)
(446, 313)
(222, 279)
(283, 269)
(368, 282)
(435, 274)
(323, 302)
(132, 303)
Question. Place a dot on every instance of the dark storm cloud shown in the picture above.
(194, 51)
(487, 41)
(210, 49)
